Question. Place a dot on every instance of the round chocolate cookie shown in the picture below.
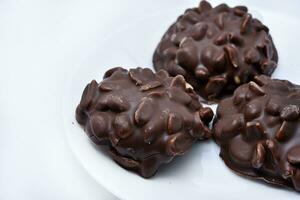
(216, 49)
(145, 119)
(258, 130)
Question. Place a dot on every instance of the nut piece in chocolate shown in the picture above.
(216, 49)
(258, 130)
(145, 118)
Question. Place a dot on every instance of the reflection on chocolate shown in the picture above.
(216, 49)
(258, 130)
(145, 118)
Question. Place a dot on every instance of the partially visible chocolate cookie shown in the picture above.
(258, 130)
(145, 118)
(216, 49)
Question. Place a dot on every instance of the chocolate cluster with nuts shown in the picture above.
(258, 130)
(216, 49)
(145, 118)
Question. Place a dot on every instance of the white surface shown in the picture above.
(200, 173)
(44, 47)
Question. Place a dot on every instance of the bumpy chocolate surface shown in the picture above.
(146, 119)
(258, 130)
(216, 49)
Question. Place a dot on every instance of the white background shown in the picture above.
(41, 42)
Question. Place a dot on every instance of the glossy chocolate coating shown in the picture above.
(216, 49)
(258, 130)
(145, 118)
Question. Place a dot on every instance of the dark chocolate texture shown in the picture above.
(258, 129)
(145, 118)
(216, 49)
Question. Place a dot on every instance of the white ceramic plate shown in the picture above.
(200, 173)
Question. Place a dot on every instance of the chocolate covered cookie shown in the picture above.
(145, 118)
(258, 130)
(216, 49)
